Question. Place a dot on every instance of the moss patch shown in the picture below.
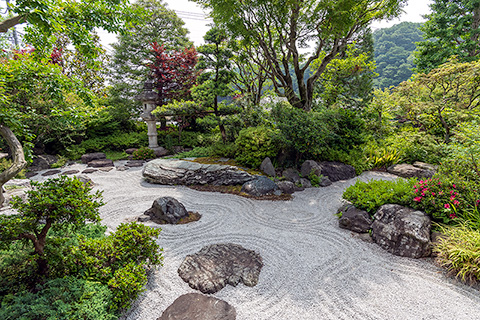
(236, 191)
(192, 216)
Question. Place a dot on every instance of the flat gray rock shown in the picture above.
(193, 306)
(408, 171)
(100, 163)
(86, 158)
(51, 172)
(172, 172)
(215, 266)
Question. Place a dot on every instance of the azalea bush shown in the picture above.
(447, 199)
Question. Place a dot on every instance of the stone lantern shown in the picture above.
(149, 100)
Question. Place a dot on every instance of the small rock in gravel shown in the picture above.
(71, 172)
(89, 170)
(105, 169)
(51, 172)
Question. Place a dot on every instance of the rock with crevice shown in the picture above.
(180, 172)
(192, 306)
(51, 172)
(217, 265)
(402, 231)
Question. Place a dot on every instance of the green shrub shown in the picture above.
(459, 251)
(416, 146)
(60, 162)
(308, 135)
(143, 153)
(196, 152)
(369, 196)
(63, 298)
(314, 179)
(115, 155)
(127, 282)
(103, 259)
(255, 144)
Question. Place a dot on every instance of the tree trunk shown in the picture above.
(17, 155)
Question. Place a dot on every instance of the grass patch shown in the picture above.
(116, 155)
(459, 252)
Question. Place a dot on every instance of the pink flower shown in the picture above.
(433, 193)
(415, 187)
(440, 193)
(478, 201)
(415, 191)
(447, 206)
(454, 186)
(453, 215)
(452, 197)
(439, 183)
(455, 202)
(423, 194)
(451, 191)
(418, 199)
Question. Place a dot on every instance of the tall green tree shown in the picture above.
(46, 18)
(348, 80)
(128, 66)
(77, 20)
(453, 28)
(281, 29)
(214, 81)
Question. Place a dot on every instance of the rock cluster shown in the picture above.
(399, 230)
(167, 210)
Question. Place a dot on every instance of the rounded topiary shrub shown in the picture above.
(255, 144)
(143, 153)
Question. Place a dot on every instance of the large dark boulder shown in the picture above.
(267, 167)
(310, 166)
(167, 210)
(408, 171)
(42, 162)
(337, 171)
(168, 171)
(354, 219)
(291, 174)
(259, 187)
(86, 158)
(215, 266)
(402, 231)
(193, 306)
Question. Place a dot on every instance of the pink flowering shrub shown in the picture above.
(444, 200)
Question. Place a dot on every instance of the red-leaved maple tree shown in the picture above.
(173, 72)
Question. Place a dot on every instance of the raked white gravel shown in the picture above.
(312, 269)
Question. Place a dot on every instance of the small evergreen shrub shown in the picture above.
(143, 153)
(255, 144)
(62, 298)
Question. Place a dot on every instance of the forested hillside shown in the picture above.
(394, 48)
